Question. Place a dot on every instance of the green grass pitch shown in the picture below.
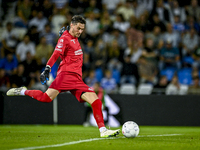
(74, 137)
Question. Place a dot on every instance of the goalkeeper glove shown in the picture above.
(44, 77)
(62, 30)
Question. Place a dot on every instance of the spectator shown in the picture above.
(126, 10)
(114, 57)
(169, 56)
(193, 10)
(113, 50)
(191, 23)
(105, 21)
(178, 11)
(173, 87)
(93, 8)
(147, 71)
(173, 35)
(133, 22)
(149, 51)
(19, 79)
(47, 8)
(89, 48)
(110, 5)
(99, 55)
(23, 13)
(135, 36)
(129, 73)
(60, 4)
(78, 6)
(177, 25)
(58, 19)
(91, 79)
(43, 51)
(108, 83)
(86, 65)
(190, 42)
(156, 36)
(93, 25)
(162, 11)
(156, 21)
(36, 6)
(115, 65)
(148, 5)
(39, 21)
(23, 47)
(30, 65)
(196, 58)
(4, 81)
(195, 72)
(50, 36)
(9, 64)
(161, 86)
(84, 38)
(133, 50)
(120, 23)
(142, 23)
(120, 37)
(195, 88)
(34, 35)
(138, 8)
(10, 39)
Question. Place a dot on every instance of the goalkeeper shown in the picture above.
(69, 75)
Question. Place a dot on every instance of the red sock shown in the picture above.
(38, 95)
(97, 112)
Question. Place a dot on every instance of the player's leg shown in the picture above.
(47, 97)
(96, 104)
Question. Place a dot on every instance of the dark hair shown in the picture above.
(78, 19)
(9, 24)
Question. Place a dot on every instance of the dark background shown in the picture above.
(144, 109)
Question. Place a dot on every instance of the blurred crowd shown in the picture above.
(133, 42)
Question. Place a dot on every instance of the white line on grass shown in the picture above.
(87, 140)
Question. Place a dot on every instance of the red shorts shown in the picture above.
(67, 81)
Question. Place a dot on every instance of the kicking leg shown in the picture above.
(47, 97)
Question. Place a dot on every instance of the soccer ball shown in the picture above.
(130, 129)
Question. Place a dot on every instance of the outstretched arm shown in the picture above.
(53, 58)
(44, 77)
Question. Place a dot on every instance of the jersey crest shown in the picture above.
(73, 40)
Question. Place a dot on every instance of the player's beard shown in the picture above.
(77, 35)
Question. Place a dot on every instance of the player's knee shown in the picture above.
(45, 98)
(89, 97)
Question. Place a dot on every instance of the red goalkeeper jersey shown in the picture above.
(71, 54)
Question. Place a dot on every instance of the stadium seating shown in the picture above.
(168, 72)
(188, 60)
(183, 89)
(127, 88)
(99, 74)
(116, 75)
(185, 76)
(144, 89)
